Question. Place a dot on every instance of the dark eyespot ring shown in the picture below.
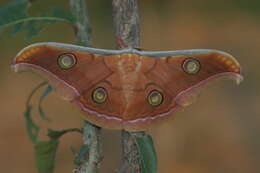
(66, 61)
(191, 66)
(155, 98)
(99, 95)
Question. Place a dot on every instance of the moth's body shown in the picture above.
(132, 88)
(129, 68)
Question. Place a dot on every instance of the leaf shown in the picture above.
(17, 28)
(32, 129)
(15, 15)
(45, 151)
(55, 134)
(34, 91)
(13, 11)
(45, 154)
(43, 96)
(62, 14)
(147, 153)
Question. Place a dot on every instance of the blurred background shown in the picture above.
(220, 133)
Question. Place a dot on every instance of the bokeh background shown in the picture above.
(220, 133)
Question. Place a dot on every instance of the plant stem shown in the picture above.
(82, 25)
(131, 162)
(91, 133)
(126, 23)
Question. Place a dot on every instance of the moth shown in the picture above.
(126, 89)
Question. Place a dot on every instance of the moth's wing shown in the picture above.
(167, 74)
(42, 58)
(183, 87)
(78, 82)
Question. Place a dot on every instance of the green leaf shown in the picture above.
(147, 153)
(62, 14)
(13, 11)
(45, 151)
(43, 96)
(15, 15)
(32, 129)
(55, 134)
(16, 28)
(45, 154)
(33, 92)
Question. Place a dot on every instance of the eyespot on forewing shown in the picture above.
(67, 61)
(191, 66)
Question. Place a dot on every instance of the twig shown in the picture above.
(91, 133)
(126, 23)
(130, 154)
(82, 25)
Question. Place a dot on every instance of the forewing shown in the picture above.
(43, 59)
(171, 73)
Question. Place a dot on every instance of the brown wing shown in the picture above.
(179, 84)
(69, 83)
(183, 85)
(78, 82)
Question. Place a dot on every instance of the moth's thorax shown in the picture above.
(129, 67)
